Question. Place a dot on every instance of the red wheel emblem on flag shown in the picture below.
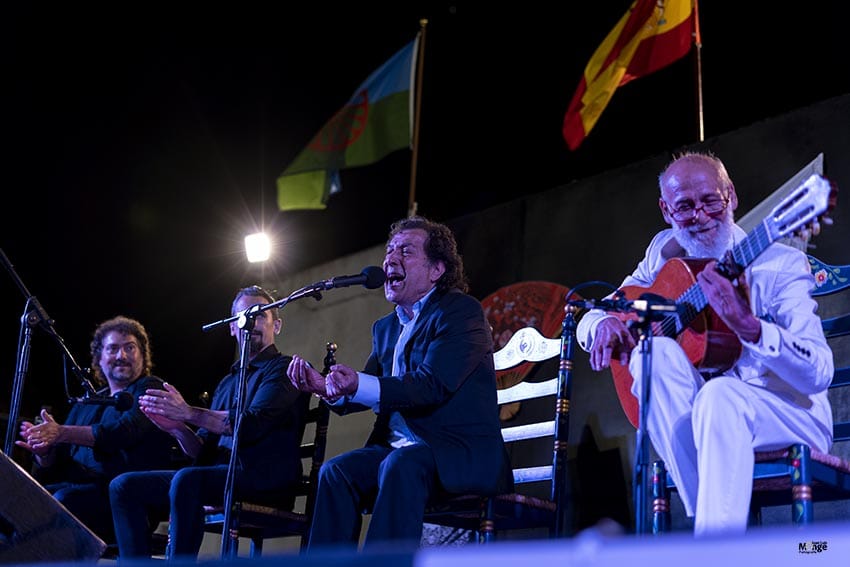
(345, 127)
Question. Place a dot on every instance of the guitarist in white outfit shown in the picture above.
(774, 395)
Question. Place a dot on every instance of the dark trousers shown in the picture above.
(89, 503)
(140, 499)
(394, 483)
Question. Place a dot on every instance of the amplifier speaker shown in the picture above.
(34, 526)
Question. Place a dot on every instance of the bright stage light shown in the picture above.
(258, 247)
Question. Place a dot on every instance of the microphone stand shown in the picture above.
(649, 308)
(646, 315)
(34, 315)
(245, 321)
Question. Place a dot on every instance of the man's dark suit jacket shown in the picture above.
(447, 396)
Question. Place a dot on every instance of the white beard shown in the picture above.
(717, 247)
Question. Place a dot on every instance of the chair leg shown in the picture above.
(486, 525)
(233, 546)
(305, 537)
(233, 534)
(802, 511)
(660, 499)
(754, 518)
(256, 546)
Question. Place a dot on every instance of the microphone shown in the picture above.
(122, 401)
(620, 305)
(646, 302)
(371, 277)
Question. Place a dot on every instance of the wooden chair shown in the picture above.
(798, 475)
(260, 522)
(488, 515)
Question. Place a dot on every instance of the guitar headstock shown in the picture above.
(813, 228)
(802, 212)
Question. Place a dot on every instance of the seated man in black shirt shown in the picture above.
(269, 459)
(76, 460)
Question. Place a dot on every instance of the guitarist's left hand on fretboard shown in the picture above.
(731, 303)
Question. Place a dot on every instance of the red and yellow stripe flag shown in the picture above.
(652, 34)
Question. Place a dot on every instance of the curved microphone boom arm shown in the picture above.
(253, 311)
(371, 277)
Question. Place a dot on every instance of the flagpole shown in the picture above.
(417, 109)
(698, 45)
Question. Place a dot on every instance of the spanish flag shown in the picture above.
(652, 34)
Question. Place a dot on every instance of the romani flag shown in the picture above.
(374, 122)
(652, 34)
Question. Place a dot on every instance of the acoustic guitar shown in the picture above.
(709, 344)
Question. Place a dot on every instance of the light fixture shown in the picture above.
(258, 247)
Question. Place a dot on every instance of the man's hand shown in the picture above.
(306, 378)
(612, 340)
(168, 425)
(167, 404)
(730, 303)
(40, 439)
(341, 381)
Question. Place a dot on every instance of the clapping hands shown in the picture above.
(340, 381)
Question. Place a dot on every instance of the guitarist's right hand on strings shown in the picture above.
(611, 340)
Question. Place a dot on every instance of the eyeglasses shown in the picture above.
(687, 211)
(128, 348)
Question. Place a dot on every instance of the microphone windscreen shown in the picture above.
(123, 401)
(375, 277)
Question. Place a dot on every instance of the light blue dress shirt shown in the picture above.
(369, 387)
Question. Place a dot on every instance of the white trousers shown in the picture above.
(706, 433)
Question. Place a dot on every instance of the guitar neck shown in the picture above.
(751, 247)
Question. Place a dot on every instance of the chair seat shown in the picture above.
(531, 501)
(833, 461)
(268, 521)
(461, 512)
(510, 511)
(771, 472)
(770, 478)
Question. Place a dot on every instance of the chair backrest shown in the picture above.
(831, 291)
(313, 451)
(528, 345)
